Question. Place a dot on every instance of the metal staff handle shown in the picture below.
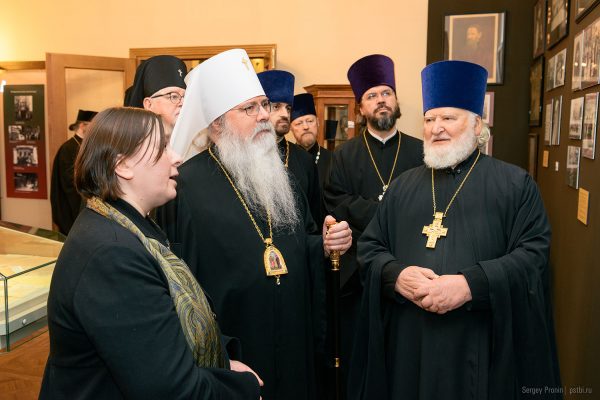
(334, 256)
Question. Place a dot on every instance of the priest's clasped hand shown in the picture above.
(431, 292)
(337, 237)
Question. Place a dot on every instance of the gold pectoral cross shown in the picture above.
(435, 231)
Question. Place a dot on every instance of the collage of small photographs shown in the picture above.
(24, 118)
(551, 19)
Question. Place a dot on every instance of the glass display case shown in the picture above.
(27, 258)
(334, 103)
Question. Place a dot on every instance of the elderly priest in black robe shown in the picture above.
(456, 303)
(246, 231)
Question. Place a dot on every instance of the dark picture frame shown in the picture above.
(536, 83)
(532, 155)
(590, 71)
(583, 8)
(539, 28)
(558, 21)
(477, 38)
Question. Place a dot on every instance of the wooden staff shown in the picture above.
(334, 256)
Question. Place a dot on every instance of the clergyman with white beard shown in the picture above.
(455, 258)
(246, 232)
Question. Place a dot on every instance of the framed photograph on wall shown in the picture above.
(577, 56)
(478, 38)
(590, 54)
(539, 27)
(583, 7)
(558, 21)
(576, 118)
(559, 68)
(488, 109)
(573, 156)
(532, 152)
(548, 125)
(536, 75)
(590, 113)
(556, 118)
(551, 63)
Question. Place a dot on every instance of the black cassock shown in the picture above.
(352, 190)
(64, 199)
(280, 326)
(302, 167)
(323, 162)
(493, 346)
(351, 194)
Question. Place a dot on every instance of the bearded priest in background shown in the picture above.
(456, 295)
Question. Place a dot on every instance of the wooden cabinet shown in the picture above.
(334, 102)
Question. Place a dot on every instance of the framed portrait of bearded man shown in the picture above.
(477, 38)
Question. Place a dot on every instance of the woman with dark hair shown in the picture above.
(126, 317)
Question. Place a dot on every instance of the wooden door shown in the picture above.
(58, 69)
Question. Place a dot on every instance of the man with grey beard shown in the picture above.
(363, 168)
(279, 88)
(455, 258)
(246, 232)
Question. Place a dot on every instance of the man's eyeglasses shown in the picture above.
(174, 97)
(254, 108)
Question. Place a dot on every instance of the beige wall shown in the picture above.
(317, 40)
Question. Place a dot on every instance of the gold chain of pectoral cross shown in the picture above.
(436, 230)
(385, 185)
(287, 152)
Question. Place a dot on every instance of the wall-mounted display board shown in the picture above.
(25, 142)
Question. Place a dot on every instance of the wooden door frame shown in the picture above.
(56, 65)
(268, 52)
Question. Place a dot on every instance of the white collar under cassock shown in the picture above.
(383, 141)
